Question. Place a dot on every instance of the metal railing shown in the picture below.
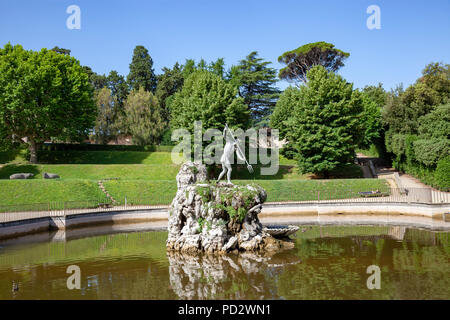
(10, 213)
(401, 195)
(412, 195)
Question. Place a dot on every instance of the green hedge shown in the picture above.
(430, 151)
(100, 147)
(442, 174)
(429, 176)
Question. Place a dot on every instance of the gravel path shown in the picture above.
(411, 182)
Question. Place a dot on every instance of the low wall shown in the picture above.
(435, 211)
(429, 214)
(25, 227)
(115, 217)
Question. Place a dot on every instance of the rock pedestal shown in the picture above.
(217, 217)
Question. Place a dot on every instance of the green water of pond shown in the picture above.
(328, 262)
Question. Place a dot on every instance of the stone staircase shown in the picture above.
(102, 187)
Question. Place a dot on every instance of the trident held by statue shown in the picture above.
(228, 153)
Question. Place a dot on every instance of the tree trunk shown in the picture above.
(33, 151)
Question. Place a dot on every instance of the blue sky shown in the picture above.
(412, 34)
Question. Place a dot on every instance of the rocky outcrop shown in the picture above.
(50, 175)
(21, 176)
(217, 217)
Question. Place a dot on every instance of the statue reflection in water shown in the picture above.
(234, 276)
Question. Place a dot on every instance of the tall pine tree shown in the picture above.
(118, 86)
(256, 83)
(141, 71)
(169, 83)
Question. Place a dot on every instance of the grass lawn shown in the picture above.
(104, 157)
(149, 177)
(136, 165)
(302, 190)
(88, 157)
(370, 152)
(95, 171)
(162, 192)
(142, 191)
(18, 192)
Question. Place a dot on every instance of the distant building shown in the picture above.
(122, 140)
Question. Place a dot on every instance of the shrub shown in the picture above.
(396, 144)
(166, 138)
(102, 147)
(430, 151)
(91, 147)
(409, 148)
(442, 174)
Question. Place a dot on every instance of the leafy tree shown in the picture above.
(429, 151)
(436, 124)
(118, 86)
(325, 126)
(376, 94)
(189, 67)
(442, 174)
(418, 124)
(202, 65)
(97, 81)
(143, 117)
(141, 70)
(105, 129)
(119, 92)
(281, 115)
(374, 98)
(405, 110)
(284, 110)
(170, 82)
(44, 95)
(218, 67)
(433, 141)
(300, 60)
(256, 83)
(436, 75)
(61, 50)
(208, 98)
(394, 110)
